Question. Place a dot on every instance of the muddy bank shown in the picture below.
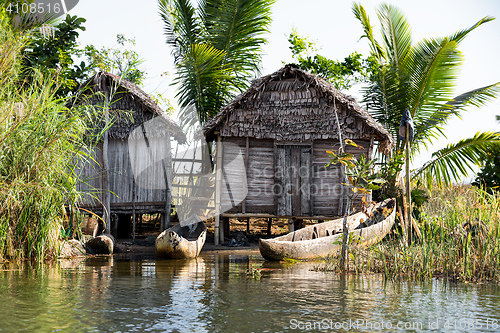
(147, 246)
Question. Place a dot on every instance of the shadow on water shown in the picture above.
(227, 292)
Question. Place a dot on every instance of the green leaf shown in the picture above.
(456, 160)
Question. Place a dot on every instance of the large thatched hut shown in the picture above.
(282, 126)
(130, 167)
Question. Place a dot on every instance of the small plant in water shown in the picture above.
(361, 180)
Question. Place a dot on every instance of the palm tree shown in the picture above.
(421, 77)
(216, 48)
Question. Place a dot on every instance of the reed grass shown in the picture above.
(460, 241)
(40, 143)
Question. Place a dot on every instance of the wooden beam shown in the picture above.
(160, 204)
(269, 224)
(218, 184)
(133, 209)
(106, 200)
(168, 184)
(263, 215)
(244, 203)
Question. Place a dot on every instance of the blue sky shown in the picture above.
(333, 26)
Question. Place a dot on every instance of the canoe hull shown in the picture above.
(181, 242)
(324, 239)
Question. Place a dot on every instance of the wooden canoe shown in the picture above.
(322, 239)
(180, 242)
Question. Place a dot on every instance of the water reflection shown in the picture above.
(219, 292)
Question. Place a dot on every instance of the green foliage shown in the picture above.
(123, 63)
(460, 229)
(40, 144)
(50, 52)
(390, 172)
(359, 172)
(489, 175)
(342, 74)
(421, 77)
(216, 48)
(454, 160)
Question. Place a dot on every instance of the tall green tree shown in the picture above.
(342, 74)
(488, 176)
(422, 77)
(216, 48)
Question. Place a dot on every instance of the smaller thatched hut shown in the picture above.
(130, 167)
(283, 125)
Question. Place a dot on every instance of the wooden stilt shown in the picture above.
(133, 210)
(298, 224)
(226, 227)
(408, 189)
(269, 224)
(248, 225)
(106, 200)
(345, 236)
(218, 184)
(168, 183)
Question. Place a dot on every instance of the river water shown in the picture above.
(231, 292)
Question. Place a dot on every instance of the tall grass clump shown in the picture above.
(40, 142)
(460, 241)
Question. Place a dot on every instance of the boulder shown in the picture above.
(102, 244)
(72, 248)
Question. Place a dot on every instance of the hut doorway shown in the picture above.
(293, 180)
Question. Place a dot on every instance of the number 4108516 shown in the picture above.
(33, 8)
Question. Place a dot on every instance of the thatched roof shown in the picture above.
(136, 105)
(292, 104)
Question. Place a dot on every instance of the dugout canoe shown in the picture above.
(322, 239)
(181, 242)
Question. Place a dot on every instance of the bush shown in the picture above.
(489, 175)
(40, 142)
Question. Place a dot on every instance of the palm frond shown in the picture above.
(460, 35)
(237, 27)
(181, 26)
(457, 160)
(431, 123)
(396, 33)
(360, 14)
(433, 65)
(200, 80)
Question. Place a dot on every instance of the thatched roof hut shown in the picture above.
(130, 106)
(292, 104)
(131, 165)
(282, 126)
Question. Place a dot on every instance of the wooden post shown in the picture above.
(226, 228)
(248, 225)
(269, 224)
(133, 209)
(218, 184)
(408, 189)
(106, 200)
(343, 253)
(168, 185)
(298, 224)
(342, 191)
(244, 202)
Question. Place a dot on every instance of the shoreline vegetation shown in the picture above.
(40, 142)
(460, 241)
